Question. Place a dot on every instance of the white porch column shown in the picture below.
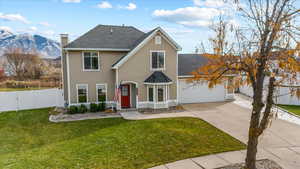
(154, 96)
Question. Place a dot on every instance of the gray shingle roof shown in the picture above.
(158, 77)
(188, 63)
(108, 36)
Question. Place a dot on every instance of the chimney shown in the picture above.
(64, 40)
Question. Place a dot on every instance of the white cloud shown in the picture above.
(199, 23)
(198, 2)
(45, 24)
(6, 28)
(179, 31)
(14, 17)
(190, 13)
(209, 3)
(33, 29)
(71, 1)
(131, 6)
(189, 16)
(104, 5)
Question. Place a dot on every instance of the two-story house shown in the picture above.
(122, 66)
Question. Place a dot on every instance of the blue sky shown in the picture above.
(186, 21)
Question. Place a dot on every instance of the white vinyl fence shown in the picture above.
(284, 95)
(21, 100)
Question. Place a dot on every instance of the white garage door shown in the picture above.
(189, 93)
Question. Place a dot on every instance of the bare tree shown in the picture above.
(23, 64)
(264, 50)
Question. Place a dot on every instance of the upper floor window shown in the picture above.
(158, 60)
(91, 61)
(157, 40)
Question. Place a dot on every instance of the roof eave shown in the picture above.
(99, 49)
(158, 83)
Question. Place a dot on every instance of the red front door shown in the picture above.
(125, 96)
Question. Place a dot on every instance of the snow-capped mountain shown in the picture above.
(46, 47)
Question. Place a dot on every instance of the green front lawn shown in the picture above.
(291, 108)
(28, 140)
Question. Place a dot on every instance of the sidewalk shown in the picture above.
(134, 115)
(214, 161)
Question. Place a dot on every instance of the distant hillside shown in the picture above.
(46, 47)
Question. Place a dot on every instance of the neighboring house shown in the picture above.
(107, 58)
(199, 92)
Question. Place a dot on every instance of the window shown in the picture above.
(101, 92)
(91, 61)
(160, 94)
(124, 90)
(150, 94)
(157, 60)
(82, 93)
(157, 40)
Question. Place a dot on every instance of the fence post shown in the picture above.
(17, 99)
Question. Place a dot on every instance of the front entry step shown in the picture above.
(128, 109)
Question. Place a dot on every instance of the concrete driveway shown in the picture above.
(280, 142)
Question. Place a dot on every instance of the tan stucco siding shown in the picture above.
(137, 67)
(105, 76)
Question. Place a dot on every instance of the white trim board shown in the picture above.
(68, 78)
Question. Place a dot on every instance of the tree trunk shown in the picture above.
(251, 151)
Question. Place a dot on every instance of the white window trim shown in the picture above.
(157, 40)
(155, 69)
(101, 84)
(155, 93)
(90, 70)
(87, 93)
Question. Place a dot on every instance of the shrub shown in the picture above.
(82, 109)
(72, 110)
(94, 107)
(100, 107)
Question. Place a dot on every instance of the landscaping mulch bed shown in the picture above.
(260, 164)
(76, 117)
(174, 109)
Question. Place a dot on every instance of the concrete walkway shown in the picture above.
(212, 161)
(280, 142)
